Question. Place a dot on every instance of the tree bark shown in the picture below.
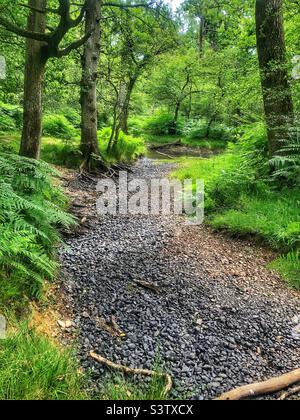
(207, 134)
(173, 130)
(201, 35)
(88, 96)
(33, 84)
(125, 110)
(277, 96)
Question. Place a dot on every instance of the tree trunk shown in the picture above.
(201, 35)
(88, 97)
(207, 135)
(173, 130)
(125, 108)
(33, 84)
(277, 96)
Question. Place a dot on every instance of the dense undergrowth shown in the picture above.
(246, 197)
(31, 211)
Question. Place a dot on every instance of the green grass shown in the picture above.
(161, 139)
(32, 368)
(120, 388)
(288, 267)
(66, 153)
(270, 218)
(207, 169)
(210, 144)
(167, 139)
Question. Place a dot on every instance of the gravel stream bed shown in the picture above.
(219, 320)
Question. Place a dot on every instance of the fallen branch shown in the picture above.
(165, 154)
(147, 285)
(110, 326)
(262, 388)
(128, 370)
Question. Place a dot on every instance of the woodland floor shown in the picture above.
(218, 319)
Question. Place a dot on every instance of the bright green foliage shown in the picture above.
(61, 152)
(32, 368)
(10, 117)
(72, 115)
(137, 125)
(7, 123)
(289, 267)
(58, 126)
(126, 150)
(200, 129)
(162, 123)
(30, 211)
(273, 217)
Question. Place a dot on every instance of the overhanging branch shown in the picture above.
(37, 36)
(128, 6)
(73, 46)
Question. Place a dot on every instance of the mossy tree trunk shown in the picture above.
(277, 95)
(33, 84)
(88, 97)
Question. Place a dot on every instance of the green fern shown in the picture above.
(31, 211)
(287, 163)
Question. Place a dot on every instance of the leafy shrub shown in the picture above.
(199, 130)
(126, 150)
(287, 163)
(32, 368)
(72, 116)
(59, 152)
(163, 123)
(195, 130)
(7, 123)
(58, 126)
(11, 117)
(104, 119)
(30, 211)
(136, 125)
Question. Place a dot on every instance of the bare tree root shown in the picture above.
(128, 370)
(262, 388)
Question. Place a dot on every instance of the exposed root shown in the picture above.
(128, 370)
(263, 388)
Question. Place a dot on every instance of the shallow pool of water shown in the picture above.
(175, 152)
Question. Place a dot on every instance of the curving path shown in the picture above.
(219, 320)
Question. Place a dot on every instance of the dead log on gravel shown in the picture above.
(128, 370)
(262, 388)
(147, 285)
